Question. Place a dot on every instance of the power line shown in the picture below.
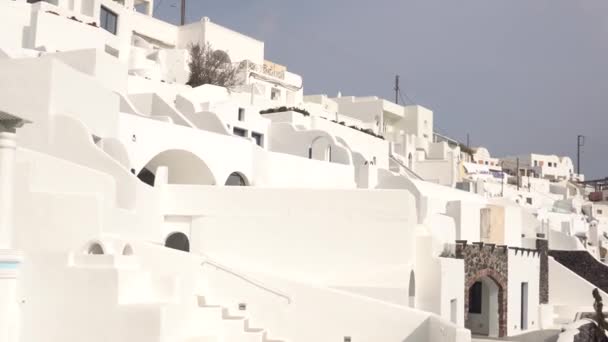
(407, 97)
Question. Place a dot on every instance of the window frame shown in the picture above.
(104, 24)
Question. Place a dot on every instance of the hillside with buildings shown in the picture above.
(137, 208)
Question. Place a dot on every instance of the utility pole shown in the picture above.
(397, 89)
(518, 174)
(468, 141)
(580, 142)
(183, 14)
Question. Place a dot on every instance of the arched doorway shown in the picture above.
(320, 149)
(236, 179)
(485, 301)
(412, 290)
(178, 241)
(184, 167)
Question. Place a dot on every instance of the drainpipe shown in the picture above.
(10, 260)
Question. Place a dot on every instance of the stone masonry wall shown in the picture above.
(491, 261)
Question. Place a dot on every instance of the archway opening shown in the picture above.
(412, 290)
(236, 179)
(483, 309)
(95, 249)
(178, 241)
(146, 176)
(320, 149)
(184, 167)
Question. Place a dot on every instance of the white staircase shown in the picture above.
(234, 328)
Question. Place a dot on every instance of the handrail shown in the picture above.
(246, 279)
(405, 167)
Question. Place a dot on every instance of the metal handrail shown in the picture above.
(246, 279)
(405, 167)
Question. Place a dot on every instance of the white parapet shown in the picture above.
(10, 262)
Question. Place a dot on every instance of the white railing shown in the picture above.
(246, 279)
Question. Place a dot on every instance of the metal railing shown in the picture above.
(409, 171)
(249, 280)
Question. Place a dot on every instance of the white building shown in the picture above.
(134, 207)
(540, 166)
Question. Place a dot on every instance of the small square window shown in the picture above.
(241, 114)
(529, 200)
(275, 94)
(239, 132)
(600, 211)
(259, 138)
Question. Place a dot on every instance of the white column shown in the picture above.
(8, 147)
(10, 260)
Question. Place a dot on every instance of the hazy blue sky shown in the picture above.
(517, 75)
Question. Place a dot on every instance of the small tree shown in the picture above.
(208, 66)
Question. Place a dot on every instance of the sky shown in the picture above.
(518, 76)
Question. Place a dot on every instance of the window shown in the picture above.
(239, 132)
(241, 114)
(275, 94)
(536, 163)
(475, 298)
(259, 138)
(109, 20)
(529, 200)
(600, 212)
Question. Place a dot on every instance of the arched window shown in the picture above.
(236, 179)
(95, 249)
(127, 250)
(178, 241)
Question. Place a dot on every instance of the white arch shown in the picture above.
(184, 167)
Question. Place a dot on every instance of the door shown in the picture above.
(524, 306)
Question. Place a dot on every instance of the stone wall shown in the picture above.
(585, 265)
(543, 248)
(490, 261)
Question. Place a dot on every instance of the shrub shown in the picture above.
(208, 66)
(285, 109)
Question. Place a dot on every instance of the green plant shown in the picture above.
(208, 66)
(285, 109)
